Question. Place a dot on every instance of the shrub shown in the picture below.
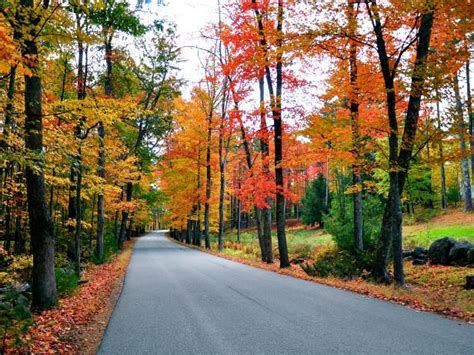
(422, 216)
(339, 222)
(66, 280)
(15, 269)
(61, 260)
(15, 315)
(453, 195)
(300, 250)
(313, 201)
(110, 248)
(418, 189)
(332, 261)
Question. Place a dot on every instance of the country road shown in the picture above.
(177, 300)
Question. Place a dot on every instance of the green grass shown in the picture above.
(296, 236)
(426, 234)
(301, 242)
(66, 281)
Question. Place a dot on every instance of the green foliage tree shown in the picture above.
(339, 222)
(419, 190)
(314, 202)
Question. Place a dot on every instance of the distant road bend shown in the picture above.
(177, 300)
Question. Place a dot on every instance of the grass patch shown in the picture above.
(454, 224)
(428, 235)
(301, 242)
(423, 216)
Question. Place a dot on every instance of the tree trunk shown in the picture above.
(208, 181)
(198, 232)
(380, 267)
(7, 236)
(123, 225)
(444, 200)
(267, 248)
(129, 229)
(391, 232)
(19, 245)
(356, 141)
(76, 168)
(462, 142)
(80, 62)
(91, 231)
(239, 220)
(78, 228)
(116, 221)
(232, 212)
(248, 158)
(4, 141)
(470, 114)
(100, 208)
(266, 212)
(72, 205)
(188, 231)
(101, 159)
(108, 63)
(197, 226)
(10, 107)
(221, 207)
(51, 198)
(278, 139)
(222, 164)
(41, 227)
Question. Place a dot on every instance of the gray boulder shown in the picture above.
(420, 261)
(438, 253)
(458, 253)
(419, 253)
(470, 256)
(469, 282)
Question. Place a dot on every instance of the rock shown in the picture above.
(458, 253)
(297, 261)
(438, 253)
(419, 252)
(470, 256)
(420, 261)
(469, 282)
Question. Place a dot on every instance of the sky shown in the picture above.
(191, 17)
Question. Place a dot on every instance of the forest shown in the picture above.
(320, 137)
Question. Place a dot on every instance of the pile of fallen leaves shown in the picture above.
(56, 330)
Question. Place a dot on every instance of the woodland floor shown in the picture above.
(77, 324)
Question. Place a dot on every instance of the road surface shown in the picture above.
(177, 300)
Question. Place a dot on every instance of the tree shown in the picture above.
(314, 201)
(462, 141)
(114, 16)
(356, 139)
(399, 160)
(42, 239)
(275, 93)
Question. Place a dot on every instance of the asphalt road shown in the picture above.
(177, 300)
